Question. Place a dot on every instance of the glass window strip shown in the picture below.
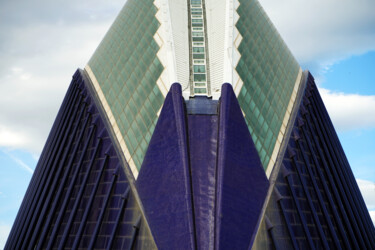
(197, 35)
(200, 91)
(200, 84)
(199, 62)
(199, 68)
(197, 24)
(198, 50)
(198, 39)
(197, 20)
(199, 56)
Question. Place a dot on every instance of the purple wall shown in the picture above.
(202, 184)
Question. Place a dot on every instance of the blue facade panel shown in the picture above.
(164, 182)
(202, 183)
(203, 132)
(241, 181)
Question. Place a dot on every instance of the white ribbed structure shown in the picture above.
(223, 40)
(173, 39)
(179, 19)
(166, 54)
(235, 56)
(216, 16)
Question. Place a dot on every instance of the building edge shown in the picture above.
(273, 173)
(70, 142)
(125, 165)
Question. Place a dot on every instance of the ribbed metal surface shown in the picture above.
(79, 196)
(316, 202)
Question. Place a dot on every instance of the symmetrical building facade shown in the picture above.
(192, 127)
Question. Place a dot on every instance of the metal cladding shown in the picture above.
(315, 201)
(202, 184)
(241, 182)
(164, 182)
(136, 160)
(79, 196)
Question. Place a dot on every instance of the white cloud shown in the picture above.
(41, 48)
(33, 90)
(321, 32)
(4, 232)
(368, 192)
(372, 214)
(349, 111)
(10, 138)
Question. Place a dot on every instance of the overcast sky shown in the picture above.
(43, 42)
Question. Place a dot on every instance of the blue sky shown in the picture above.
(351, 79)
(42, 43)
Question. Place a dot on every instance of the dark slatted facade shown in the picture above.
(201, 184)
(316, 202)
(79, 196)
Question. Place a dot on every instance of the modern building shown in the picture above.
(192, 127)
